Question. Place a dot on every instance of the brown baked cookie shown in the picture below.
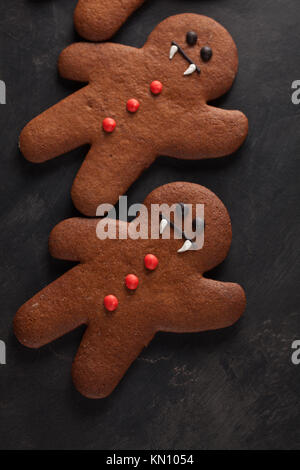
(98, 20)
(139, 104)
(147, 285)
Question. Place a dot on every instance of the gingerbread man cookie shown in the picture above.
(126, 290)
(98, 20)
(139, 104)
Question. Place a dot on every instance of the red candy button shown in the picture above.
(109, 124)
(156, 87)
(131, 281)
(132, 105)
(151, 262)
(111, 303)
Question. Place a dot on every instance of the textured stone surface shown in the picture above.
(229, 389)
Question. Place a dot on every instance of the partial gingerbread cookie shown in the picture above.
(139, 104)
(126, 290)
(98, 20)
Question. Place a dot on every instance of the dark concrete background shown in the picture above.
(228, 389)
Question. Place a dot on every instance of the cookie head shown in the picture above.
(194, 225)
(198, 50)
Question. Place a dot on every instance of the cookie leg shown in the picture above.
(206, 305)
(99, 20)
(53, 312)
(106, 352)
(58, 130)
(108, 171)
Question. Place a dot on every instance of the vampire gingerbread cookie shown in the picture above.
(127, 289)
(139, 104)
(98, 20)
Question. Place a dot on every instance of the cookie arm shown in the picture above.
(59, 129)
(108, 171)
(225, 132)
(205, 305)
(74, 240)
(77, 61)
(212, 133)
(54, 311)
(99, 20)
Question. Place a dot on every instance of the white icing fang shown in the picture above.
(192, 68)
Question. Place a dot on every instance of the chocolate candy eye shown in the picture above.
(206, 53)
(191, 38)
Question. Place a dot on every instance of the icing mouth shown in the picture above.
(188, 244)
(175, 48)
